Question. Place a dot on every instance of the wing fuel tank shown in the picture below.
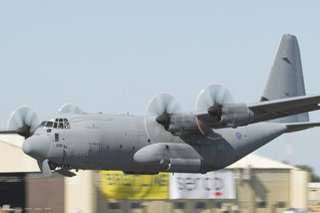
(171, 157)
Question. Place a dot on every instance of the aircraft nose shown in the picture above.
(36, 147)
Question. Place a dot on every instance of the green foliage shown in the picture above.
(313, 176)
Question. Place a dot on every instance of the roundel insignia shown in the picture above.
(239, 135)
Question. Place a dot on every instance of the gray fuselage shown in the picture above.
(112, 142)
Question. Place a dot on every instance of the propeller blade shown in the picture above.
(213, 94)
(23, 121)
(159, 111)
(163, 102)
(211, 99)
(8, 132)
(71, 108)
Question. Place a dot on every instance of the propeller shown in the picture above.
(23, 121)
(71, 108)
(211, 99)
(159, 114)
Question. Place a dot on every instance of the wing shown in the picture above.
(240, 114)
(233, 115)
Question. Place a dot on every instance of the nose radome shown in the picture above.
(36, 147)
(26, 147)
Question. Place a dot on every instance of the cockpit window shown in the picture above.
(43, 123)
(49, 124)
(59, 123)
(63, 123)
(66, 123)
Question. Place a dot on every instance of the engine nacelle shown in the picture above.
(182, 123)
(236, 114)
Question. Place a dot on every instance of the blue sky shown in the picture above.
(114, 56)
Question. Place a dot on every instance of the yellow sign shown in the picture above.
(117, 185)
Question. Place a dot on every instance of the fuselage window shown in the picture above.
(56, 137)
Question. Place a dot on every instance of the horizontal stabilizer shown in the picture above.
(292, 127)
(268, 110)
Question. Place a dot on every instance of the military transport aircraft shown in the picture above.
(216, 134)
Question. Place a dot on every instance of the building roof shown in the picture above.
(259, 162)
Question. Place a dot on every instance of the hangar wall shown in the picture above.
(299, 180)
(31, 192)
(80, 192)
(21, 184)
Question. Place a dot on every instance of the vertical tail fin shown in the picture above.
(286, 77)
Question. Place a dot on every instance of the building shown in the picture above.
(21, 184)
(265, 185)
(314, 196)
